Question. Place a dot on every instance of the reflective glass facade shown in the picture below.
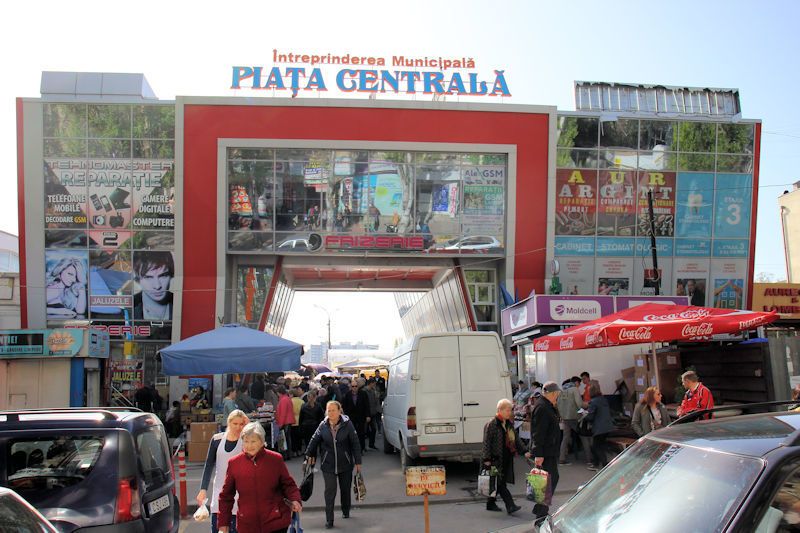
(700, 175)
(307, 200)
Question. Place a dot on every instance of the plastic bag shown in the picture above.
(359, 488)
(487, 483)
(202, 513)
(539, 482)
(294, 527)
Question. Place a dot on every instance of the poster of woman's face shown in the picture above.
(66, 284)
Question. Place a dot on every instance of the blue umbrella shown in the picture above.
(231, 349)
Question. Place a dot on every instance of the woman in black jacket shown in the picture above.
(337, 442)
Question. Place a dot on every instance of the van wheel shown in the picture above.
(405, 459)
(388, 449)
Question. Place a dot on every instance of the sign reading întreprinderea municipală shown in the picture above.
(371, 74)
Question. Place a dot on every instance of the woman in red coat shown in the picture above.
(263, 482)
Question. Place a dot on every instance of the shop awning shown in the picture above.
(654, 323)
(231, 349)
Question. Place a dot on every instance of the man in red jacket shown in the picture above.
(697, 397)
(262, 481)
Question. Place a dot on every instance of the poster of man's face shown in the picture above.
(153, 273)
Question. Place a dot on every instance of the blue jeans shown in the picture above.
(214, 523)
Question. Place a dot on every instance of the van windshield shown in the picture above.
(51, 463)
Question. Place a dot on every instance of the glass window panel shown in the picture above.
(734, 163)
(65, 239)
(658, 160)
(65, 120)
(735, 138)
(619, 134)
(577, 132)
(110, 121)
(153, 149)
(249, 241)
(110, 148)
(696, 162)
(250, 190)
(576, 158)
(301, 154)
(65, 147)
(618, 158)
(153, 122)
(657, 133)
(436, 158)
(438, 173)
(251, 153)
(484, 159)
(696, 137)
(395, 157)
(153, 240)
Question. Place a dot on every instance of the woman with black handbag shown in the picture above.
(336, 441)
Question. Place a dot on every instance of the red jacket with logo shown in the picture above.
(697, 400)
(263, 482)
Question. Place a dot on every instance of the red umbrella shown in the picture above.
(653, 323)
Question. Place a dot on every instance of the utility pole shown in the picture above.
(656, 273)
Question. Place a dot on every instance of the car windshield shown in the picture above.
(51, 463)
(660, 487)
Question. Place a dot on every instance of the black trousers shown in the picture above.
(599, 457)
(504, 493)
(361, 430)
(372, 430)
(550, 465)
(344, 481)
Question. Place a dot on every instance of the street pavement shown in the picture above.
(388, 509)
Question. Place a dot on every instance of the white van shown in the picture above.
(443, 388)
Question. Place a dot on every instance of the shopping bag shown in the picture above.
(307, 485)
(539, 482)
(359, 488)
(487, 482)
(294, 527)
(282, 447)
(202, 512)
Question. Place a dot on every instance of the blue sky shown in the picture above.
(185, 48)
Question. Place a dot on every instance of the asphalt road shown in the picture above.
(388, 509)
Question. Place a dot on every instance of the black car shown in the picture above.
(732, 474)
(91, 470)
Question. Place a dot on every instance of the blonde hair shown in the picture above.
(649, 395)
(336, 403)
(237, 413)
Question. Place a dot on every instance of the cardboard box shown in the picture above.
(202, 432)
(642, 361)
(668, 361)
(641, 382)
(652, 380)
(628, 408)
(639, 396)
(629, 376)
(197, 452)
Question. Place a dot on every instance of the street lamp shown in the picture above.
(328, 313)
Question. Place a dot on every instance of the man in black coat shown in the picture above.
(546, 437)
(356, 406)
(500, 445)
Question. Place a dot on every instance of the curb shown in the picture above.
(409, 503)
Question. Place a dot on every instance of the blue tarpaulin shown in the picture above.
(231, 349)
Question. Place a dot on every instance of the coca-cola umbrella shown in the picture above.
(653, 323)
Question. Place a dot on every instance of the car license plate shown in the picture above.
(156, 506)
(442, 428)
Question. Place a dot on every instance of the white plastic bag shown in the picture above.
(202, 512)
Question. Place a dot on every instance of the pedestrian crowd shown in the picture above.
(575, 417)
(331, 424)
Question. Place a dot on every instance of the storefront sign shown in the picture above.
(519, 316)
(114, 330)
(426, 480)
(398, 74)
(572, 309)
(40, 343)
(368, 242)
(781, 297)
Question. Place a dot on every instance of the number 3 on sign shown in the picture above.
(734, 214)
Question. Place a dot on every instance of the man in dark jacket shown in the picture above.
(257, 388)
(500, 445)
(356, 406)
(546, 437)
